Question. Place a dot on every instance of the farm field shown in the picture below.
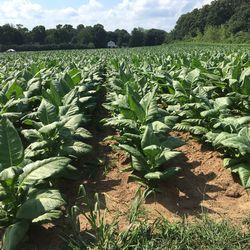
(146, 133)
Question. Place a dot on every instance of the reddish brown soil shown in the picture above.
(204, 186)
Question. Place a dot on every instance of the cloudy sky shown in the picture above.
(112, 14)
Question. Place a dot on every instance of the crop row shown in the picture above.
(204, 92)
(43, 112)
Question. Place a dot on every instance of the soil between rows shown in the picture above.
(203, 186)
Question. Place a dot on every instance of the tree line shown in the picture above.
(221, 20)
(68, 37)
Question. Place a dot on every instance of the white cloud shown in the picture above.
(126, 14)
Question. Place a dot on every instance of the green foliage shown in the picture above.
(49, 108)
(24, 196)
(217, 22)
(143, 129)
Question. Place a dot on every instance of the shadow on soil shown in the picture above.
(183, 194)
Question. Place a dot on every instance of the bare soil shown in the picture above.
(203, 187)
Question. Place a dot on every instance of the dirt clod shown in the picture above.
(234, 191)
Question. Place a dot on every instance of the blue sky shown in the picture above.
(112, 14)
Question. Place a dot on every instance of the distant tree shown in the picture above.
(50, 36)
(155, 37)
(240, 21)
(169, 37)
(85, 36)
(10, 35)
(123, 37)
(137, 38)
(100, 36)
(38, 34)
(80, 27)
(64, 33)
(26, 36)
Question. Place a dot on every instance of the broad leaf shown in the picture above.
(162, 175)
(167, 155)
(239, 141)
(138, 164)
(40, 170)
(133, 151)
(48, 217)
(14, 234)
(11, 148)
(135, 106)
(47, 112)
(151, 151)
(77, 149)
(40, 204)
(149, 137)
(243, 169)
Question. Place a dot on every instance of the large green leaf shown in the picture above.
(218, 139)
(33, 87)
(136, 106)
(138, 164)
(74, 122)
(151, 151)
(10, 173)
(149, 137)
(14, 88)
(239, 141)
(40, 204)
(149, 104)
(83, 133)
(133, 151)
(14, 234)
(70, 96)
(123, 123)
(222, 102)
(31, 134)
(77, 149)
(245, 81)
(40, 170)
(193, 75)
(162, 175)
(50, 128)
(243, 169)
(68, 110)
(11, 148)
(171, 142)
(167, 155)
(152, 110)
(160, 127)
(47, 112)
(48, 217)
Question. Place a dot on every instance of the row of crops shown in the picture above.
(204, 92)
(48, 100)
(45, 106)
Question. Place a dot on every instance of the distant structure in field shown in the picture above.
(10, 50)
(111, 45)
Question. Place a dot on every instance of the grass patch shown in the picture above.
(141, 234)
(246, 221)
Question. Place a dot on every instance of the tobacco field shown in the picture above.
(51, 104)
